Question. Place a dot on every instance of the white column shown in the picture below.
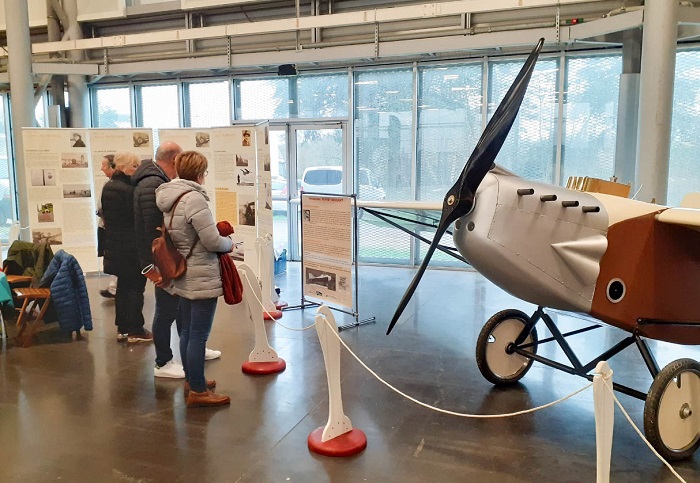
(656, 98)
(77, 86)
(21, 89)
(628, 108)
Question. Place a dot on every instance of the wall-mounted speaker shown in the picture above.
(287, 69)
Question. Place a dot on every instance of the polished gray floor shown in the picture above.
(90, 409)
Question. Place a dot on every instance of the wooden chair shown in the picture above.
(28, 321)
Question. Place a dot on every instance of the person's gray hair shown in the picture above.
(167, 151)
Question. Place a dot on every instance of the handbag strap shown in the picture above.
(170, 224)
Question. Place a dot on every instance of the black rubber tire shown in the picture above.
(484, 342)
(669, 375)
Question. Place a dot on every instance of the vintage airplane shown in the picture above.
(630, 264)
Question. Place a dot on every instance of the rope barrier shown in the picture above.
(639, 432)
(484, 416)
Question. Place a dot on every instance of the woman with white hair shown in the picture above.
(120, 256)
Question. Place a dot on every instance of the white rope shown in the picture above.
(477, 416)
(270, 315)
(619, 405)
(445, 411)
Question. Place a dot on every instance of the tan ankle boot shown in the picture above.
(210, 386)
(208, 398)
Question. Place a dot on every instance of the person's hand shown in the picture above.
(152, 274)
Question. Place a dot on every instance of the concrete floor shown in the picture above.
(90, 409)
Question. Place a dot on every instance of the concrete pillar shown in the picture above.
(58, 82)
(628, 107)
(77, 85)
(656, 98)
(21, 93)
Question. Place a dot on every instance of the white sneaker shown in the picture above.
(171, 369)
(210, 354)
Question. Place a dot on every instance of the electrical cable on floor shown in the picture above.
(619, 405)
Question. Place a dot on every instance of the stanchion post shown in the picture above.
(263, 245)
(337, 437)
(263, 359)
(604, 419)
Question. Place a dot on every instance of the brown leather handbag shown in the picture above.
(167, 259)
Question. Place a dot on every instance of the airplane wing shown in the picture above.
(402, 205)
(688, 217)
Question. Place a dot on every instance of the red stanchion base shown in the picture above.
(348, 444)
(280, 304)
(273, 314)
(264, 368)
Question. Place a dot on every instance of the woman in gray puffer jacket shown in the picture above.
(194, 228)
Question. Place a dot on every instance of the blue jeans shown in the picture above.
(166, 311)
(197, 318)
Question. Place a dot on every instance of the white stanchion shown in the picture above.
(266, 262)
(604, 405)
(337, 437)
(263, 359)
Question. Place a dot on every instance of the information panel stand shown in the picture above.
(329, 254)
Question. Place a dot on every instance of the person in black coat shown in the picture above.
(120, 257)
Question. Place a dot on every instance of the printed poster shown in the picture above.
(60, 192)
(327, 248)
(231, 180)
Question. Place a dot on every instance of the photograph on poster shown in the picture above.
(52, 236)
(81, 190)
(267, 191)
(201, 140)
(246, 138)
(73, 160)
(43, 177)
(141, 139)
(307, 215)
(245, 177)
(241, 161)
(246, 210)
(321, 278)
(45, 213)
(77, 140)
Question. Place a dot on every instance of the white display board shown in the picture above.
(262, 144)
(326, 224)
(232, 182)
(112, 141)
(60, 192)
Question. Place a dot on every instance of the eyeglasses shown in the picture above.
(206, 173)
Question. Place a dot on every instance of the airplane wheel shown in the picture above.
(494, 356)
(672, 410)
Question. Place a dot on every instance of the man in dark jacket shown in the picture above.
(149, 176)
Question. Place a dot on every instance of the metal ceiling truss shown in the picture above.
(461, 28)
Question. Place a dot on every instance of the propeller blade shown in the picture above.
(459, 199)
(419, 274)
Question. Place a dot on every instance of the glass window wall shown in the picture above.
(209, 104)
(590, 116)
(684, 166)
(530, 149)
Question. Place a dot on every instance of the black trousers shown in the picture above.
(129, 302)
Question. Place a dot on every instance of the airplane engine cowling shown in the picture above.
(542, 244)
